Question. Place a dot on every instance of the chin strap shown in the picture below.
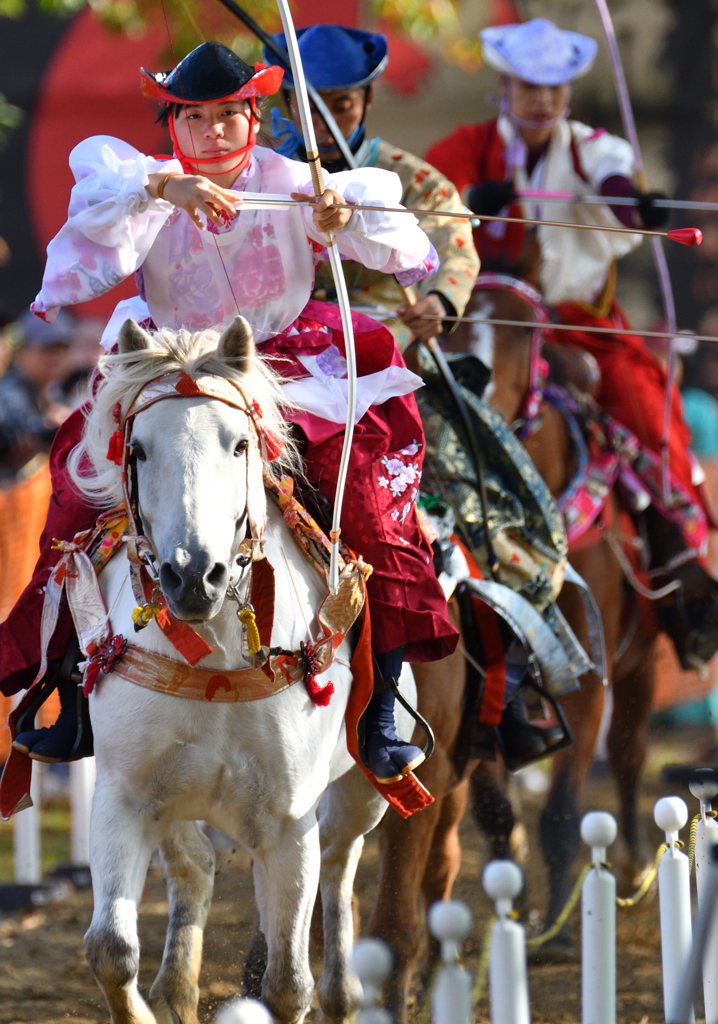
(197, 164)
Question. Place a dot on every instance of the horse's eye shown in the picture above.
(241, 447)
(137, 451)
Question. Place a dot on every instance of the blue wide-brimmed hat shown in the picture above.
(538, 52)
(335, 57)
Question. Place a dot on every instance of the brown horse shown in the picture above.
(421, 857)
(630, 656)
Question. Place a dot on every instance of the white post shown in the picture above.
(450, 922)
(704, 787)
(372, 963)
(598, 924)
(244, 1011)
(508, 981)
(82, 787)
(26, 831)
(674, 893)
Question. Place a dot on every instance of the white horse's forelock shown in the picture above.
(124, 375)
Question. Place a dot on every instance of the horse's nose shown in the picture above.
(195, 584)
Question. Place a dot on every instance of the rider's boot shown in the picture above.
(384, 753)
(521, 741)
(70, 738)
(690, 614)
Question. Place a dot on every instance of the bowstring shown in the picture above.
(194, 149)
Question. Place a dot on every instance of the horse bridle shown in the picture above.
(142, 557)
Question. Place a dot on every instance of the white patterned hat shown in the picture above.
(538, 52)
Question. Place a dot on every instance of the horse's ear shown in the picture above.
(237, 344)
(132, 338)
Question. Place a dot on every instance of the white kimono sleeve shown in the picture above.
(389, 242)
(602, 154)
(111, 226)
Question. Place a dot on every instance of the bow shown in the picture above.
(659, 256)
(310, 145)
(277, 50)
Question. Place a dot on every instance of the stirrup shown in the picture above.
(61, 668)
(428, 748)
(565, 741)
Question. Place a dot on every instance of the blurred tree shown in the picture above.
(191, 21)
(10, 117)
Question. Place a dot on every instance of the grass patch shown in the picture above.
(55, 841)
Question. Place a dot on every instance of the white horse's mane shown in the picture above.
(124, 375)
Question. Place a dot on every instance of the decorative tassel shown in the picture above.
(319, 695)
(247, 617)
(103, 660)
(273, 445)
(116, 447)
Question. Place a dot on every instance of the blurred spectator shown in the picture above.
(701, 412)
(82, 360)
(31, 403)
(701, 369)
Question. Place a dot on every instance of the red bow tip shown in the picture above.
(686, 236)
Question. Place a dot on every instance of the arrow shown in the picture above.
(684, 236)
(383, 315)
(570, 197)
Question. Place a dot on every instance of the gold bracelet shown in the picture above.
(161, 186)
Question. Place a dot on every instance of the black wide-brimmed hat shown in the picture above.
(211, 73)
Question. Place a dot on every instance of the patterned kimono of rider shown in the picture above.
(194, 279)
(578, 267)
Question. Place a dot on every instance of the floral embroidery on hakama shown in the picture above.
(402, 477)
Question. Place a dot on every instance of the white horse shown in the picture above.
(274, 774)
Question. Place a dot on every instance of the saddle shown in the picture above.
(512, 657)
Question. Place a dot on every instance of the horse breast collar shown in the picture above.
(262, 441)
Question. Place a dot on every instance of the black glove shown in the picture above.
(490, 197)
(651, 215)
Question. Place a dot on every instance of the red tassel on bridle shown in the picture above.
(273, 444)
(116, 447)
(319, 695)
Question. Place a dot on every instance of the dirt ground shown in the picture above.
(44, 978)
